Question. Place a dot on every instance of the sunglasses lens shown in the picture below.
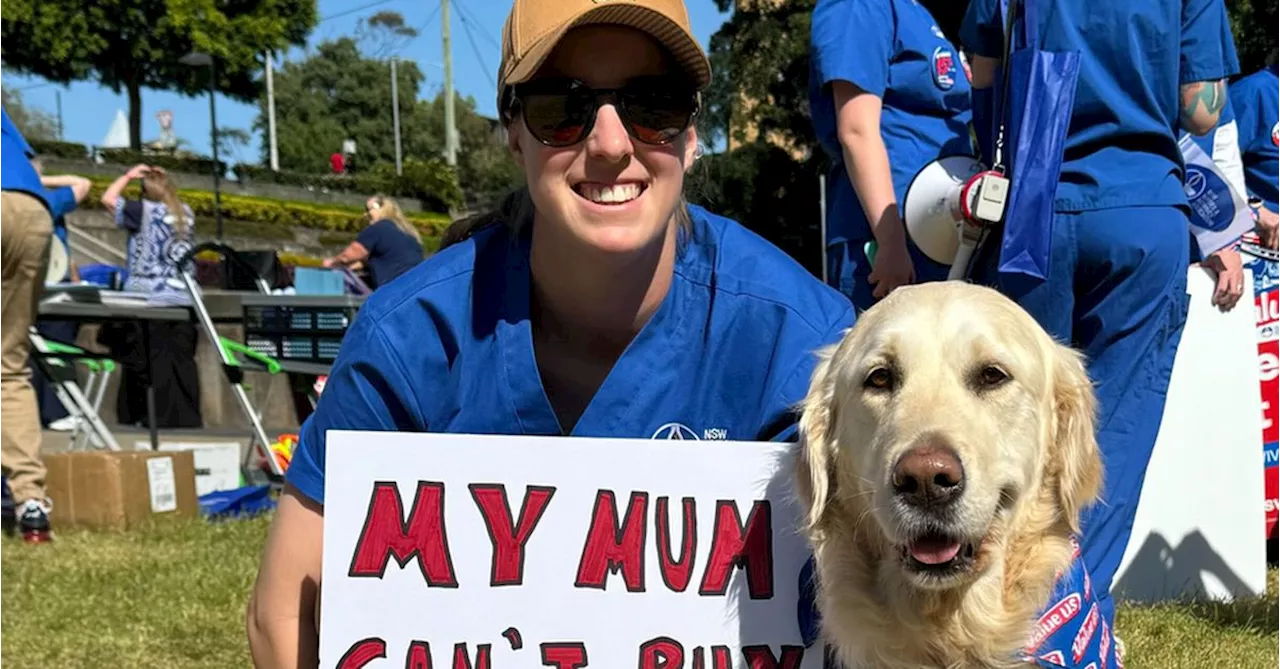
(657, 117)
(561, 114)
(557, 118)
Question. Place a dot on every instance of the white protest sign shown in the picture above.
(499, 552)
(1219, 214)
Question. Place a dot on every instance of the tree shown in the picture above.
(384, 34)
(34, 124)
(340, 93)
(760, 73)
(1253, 22)
(134, 44)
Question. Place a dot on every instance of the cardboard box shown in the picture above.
(120, 489)
(217, 463)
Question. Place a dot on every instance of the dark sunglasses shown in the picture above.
(561, 112)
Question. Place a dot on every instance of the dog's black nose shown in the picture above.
(928, 476)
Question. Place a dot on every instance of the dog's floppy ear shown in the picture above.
(815, 479)
(1074, 451)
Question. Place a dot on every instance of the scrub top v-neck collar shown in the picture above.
(625, 388)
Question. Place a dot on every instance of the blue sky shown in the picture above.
(88, 109)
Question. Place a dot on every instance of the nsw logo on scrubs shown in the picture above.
(680, 431)
(944, 68)
(1275, 134)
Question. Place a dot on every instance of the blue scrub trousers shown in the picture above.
(1117, 290)
(848, 269)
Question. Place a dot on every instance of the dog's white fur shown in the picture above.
(1030, 459)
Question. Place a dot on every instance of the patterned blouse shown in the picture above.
(154, 245)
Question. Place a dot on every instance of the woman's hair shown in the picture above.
(158, 187)
(388, 208)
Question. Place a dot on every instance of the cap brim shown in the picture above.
(686, 52)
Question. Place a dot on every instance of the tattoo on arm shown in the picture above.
(1211, 95)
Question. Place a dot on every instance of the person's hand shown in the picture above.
(328, 262)
(1267, 223)
(1230, 270)
(138, 171)
(892, 267)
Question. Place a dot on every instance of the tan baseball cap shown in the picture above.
(535, 27)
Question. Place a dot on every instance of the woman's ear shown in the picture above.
(692, 150)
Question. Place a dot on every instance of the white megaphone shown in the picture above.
(945, 206)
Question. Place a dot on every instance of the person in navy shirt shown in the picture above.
(1117, 284)
(390, 245)
(888, 94)
(1256, 101)
(594, 303)
(26, 225)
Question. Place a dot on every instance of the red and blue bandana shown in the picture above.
(1072, 632)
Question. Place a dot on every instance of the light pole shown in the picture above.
(199, 59)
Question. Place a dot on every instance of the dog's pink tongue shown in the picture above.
(934, 550)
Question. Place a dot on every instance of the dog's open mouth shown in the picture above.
(938, 554)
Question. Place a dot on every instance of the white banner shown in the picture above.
(499, 552)
(1219, 215)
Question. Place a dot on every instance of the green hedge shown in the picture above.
(190, 164)
(325, 217)
(431, 182)
(55, 149)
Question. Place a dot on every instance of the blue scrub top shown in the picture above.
(447, 347)
(895, 50)
(1121, 148)
(1256, 99)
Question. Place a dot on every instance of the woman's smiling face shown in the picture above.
(608, 190)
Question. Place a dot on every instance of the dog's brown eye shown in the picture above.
(992, 376)
(880, 378)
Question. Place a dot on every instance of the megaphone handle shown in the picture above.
(961, 265)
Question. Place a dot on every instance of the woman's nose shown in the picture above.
(609, 139)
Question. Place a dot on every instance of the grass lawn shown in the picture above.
(174, 597)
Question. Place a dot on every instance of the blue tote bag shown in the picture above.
(1035, 91)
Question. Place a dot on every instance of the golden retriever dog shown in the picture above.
(947, 449)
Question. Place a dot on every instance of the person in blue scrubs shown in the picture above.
(1256, 101)
(594, 303)
(1117, 281)
(888, 95)
(26, 225)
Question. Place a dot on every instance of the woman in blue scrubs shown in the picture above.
(1256, 100)
(888, 94)
(595, 303)
(1118, 262)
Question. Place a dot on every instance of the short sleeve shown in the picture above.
(373, 236)
(852, 40)
(784, 427)
(981, 32)
(129, 214)
(367, 389)
(61, 201)
(1208, 50)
